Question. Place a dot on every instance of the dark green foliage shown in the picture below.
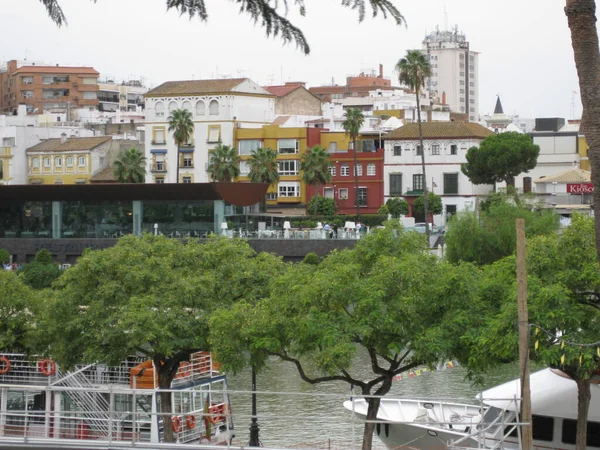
(434, 204)
(260, 11)
(130, 167)
(311, 258)
(39, 275)
(43, 256)
(492, 236)
(500, 157)
(224, 164)
(395, 206)
(325, 206)
(4, 257)
(18, 305)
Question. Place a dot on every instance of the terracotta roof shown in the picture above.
(57, 69)
(196, 86)
(439, 130)
(281, 91)
(71, 144)
(281, 120)
(105, 175)
(570, 176)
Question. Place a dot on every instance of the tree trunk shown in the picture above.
(178, 156)
(581, 16)
(584, 396)
(166, 373)
(425, 205)
(372, 411)
(356, 182)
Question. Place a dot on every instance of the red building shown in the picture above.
(342, 188)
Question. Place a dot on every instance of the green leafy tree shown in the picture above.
(434, 203)
(315, 164)
(395, 206)
(370, 299)
(130, 166)
(264, 168)
(413, 70)
(563, 296)
(18, 307)
(311, 258)
(500, 157)
(491, 235)
(42, 272)
(181, 125)
(149, 296)
(353, 122)
(4, 256)
(324, 206)
(261, 11)
(224, 164)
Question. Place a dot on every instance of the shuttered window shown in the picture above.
(395, 184)
(450, 183)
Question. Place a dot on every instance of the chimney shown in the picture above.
(380, 70)
(63, 138)
(443, 97)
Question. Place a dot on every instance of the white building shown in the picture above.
(446, 145)
(20, 132)
(124, 96)
(455, 72)
(217, 107)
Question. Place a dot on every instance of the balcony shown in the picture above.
(158, 142)
(159, 167)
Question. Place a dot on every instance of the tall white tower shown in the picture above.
(455, 71)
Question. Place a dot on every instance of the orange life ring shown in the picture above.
(217, 413)
(190, 421)
(176, 424)
(47, 367)
(185, 370)
(6, 363)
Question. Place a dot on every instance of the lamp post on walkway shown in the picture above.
(254, 440)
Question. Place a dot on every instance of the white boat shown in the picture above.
(428, 424)
(42, 403)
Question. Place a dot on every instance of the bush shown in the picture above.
(39, 275)
(311, 258)
(325, 206)
(43, 256)
(397, 207)
(4, 257)
(434, 205)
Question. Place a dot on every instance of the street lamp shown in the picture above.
(254, 429)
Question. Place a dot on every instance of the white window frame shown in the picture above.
(244, 168)
(159, 109)
(247, 146)
(293, 167)
(287, 146)
(332, 170)
(69, 161)
(435, 149)
(58, 161)
(90, 95)
(333, 147)
(200, 108)
(358, 170)
(345, 170)
(47, 162)
(343, 193)
(35, 162)
(186, 180)
(288, 189)
(79, 159)
(213, 108)
(371, 170)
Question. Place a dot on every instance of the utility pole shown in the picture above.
(526, 430)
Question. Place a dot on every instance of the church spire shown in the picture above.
(498, 109)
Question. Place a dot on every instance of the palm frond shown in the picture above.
(55, 12)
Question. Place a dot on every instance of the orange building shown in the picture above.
(56, 89)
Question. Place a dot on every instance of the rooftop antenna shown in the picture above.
(271, 79)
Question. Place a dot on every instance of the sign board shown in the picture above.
(580, 188)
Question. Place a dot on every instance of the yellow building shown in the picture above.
(584, 162)
(290, 144)
(67, 161)
(5, 157)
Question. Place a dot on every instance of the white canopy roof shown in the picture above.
(551, 395)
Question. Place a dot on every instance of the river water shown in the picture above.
(312, 416)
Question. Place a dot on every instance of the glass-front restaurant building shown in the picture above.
(97, 211)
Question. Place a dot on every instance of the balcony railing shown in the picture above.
(159, 167)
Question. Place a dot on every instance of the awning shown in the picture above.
(157, 150)
(186, 150)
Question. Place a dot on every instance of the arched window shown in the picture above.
(160, 109)
(344, 170)
(200, 108)
(187, 105)
(214, 108)
(172, 106)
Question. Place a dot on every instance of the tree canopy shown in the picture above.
(130, 166)
(315, 164)
(41, 272)
(434, 203)
(263, 166)
(395, 206)
(490, 235)
(265, 12)
(18, 307)
(371, 299)
(224, 164)
(150, 296)
(500, 157)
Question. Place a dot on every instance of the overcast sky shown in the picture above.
(524, 45)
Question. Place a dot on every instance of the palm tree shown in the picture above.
(263, 168)
(224, 164)
(412, 70)
(353, 121)
(130, 167)
(182, 126)
(315, 166)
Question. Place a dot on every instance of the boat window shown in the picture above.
(543, 428)
(569, 433)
